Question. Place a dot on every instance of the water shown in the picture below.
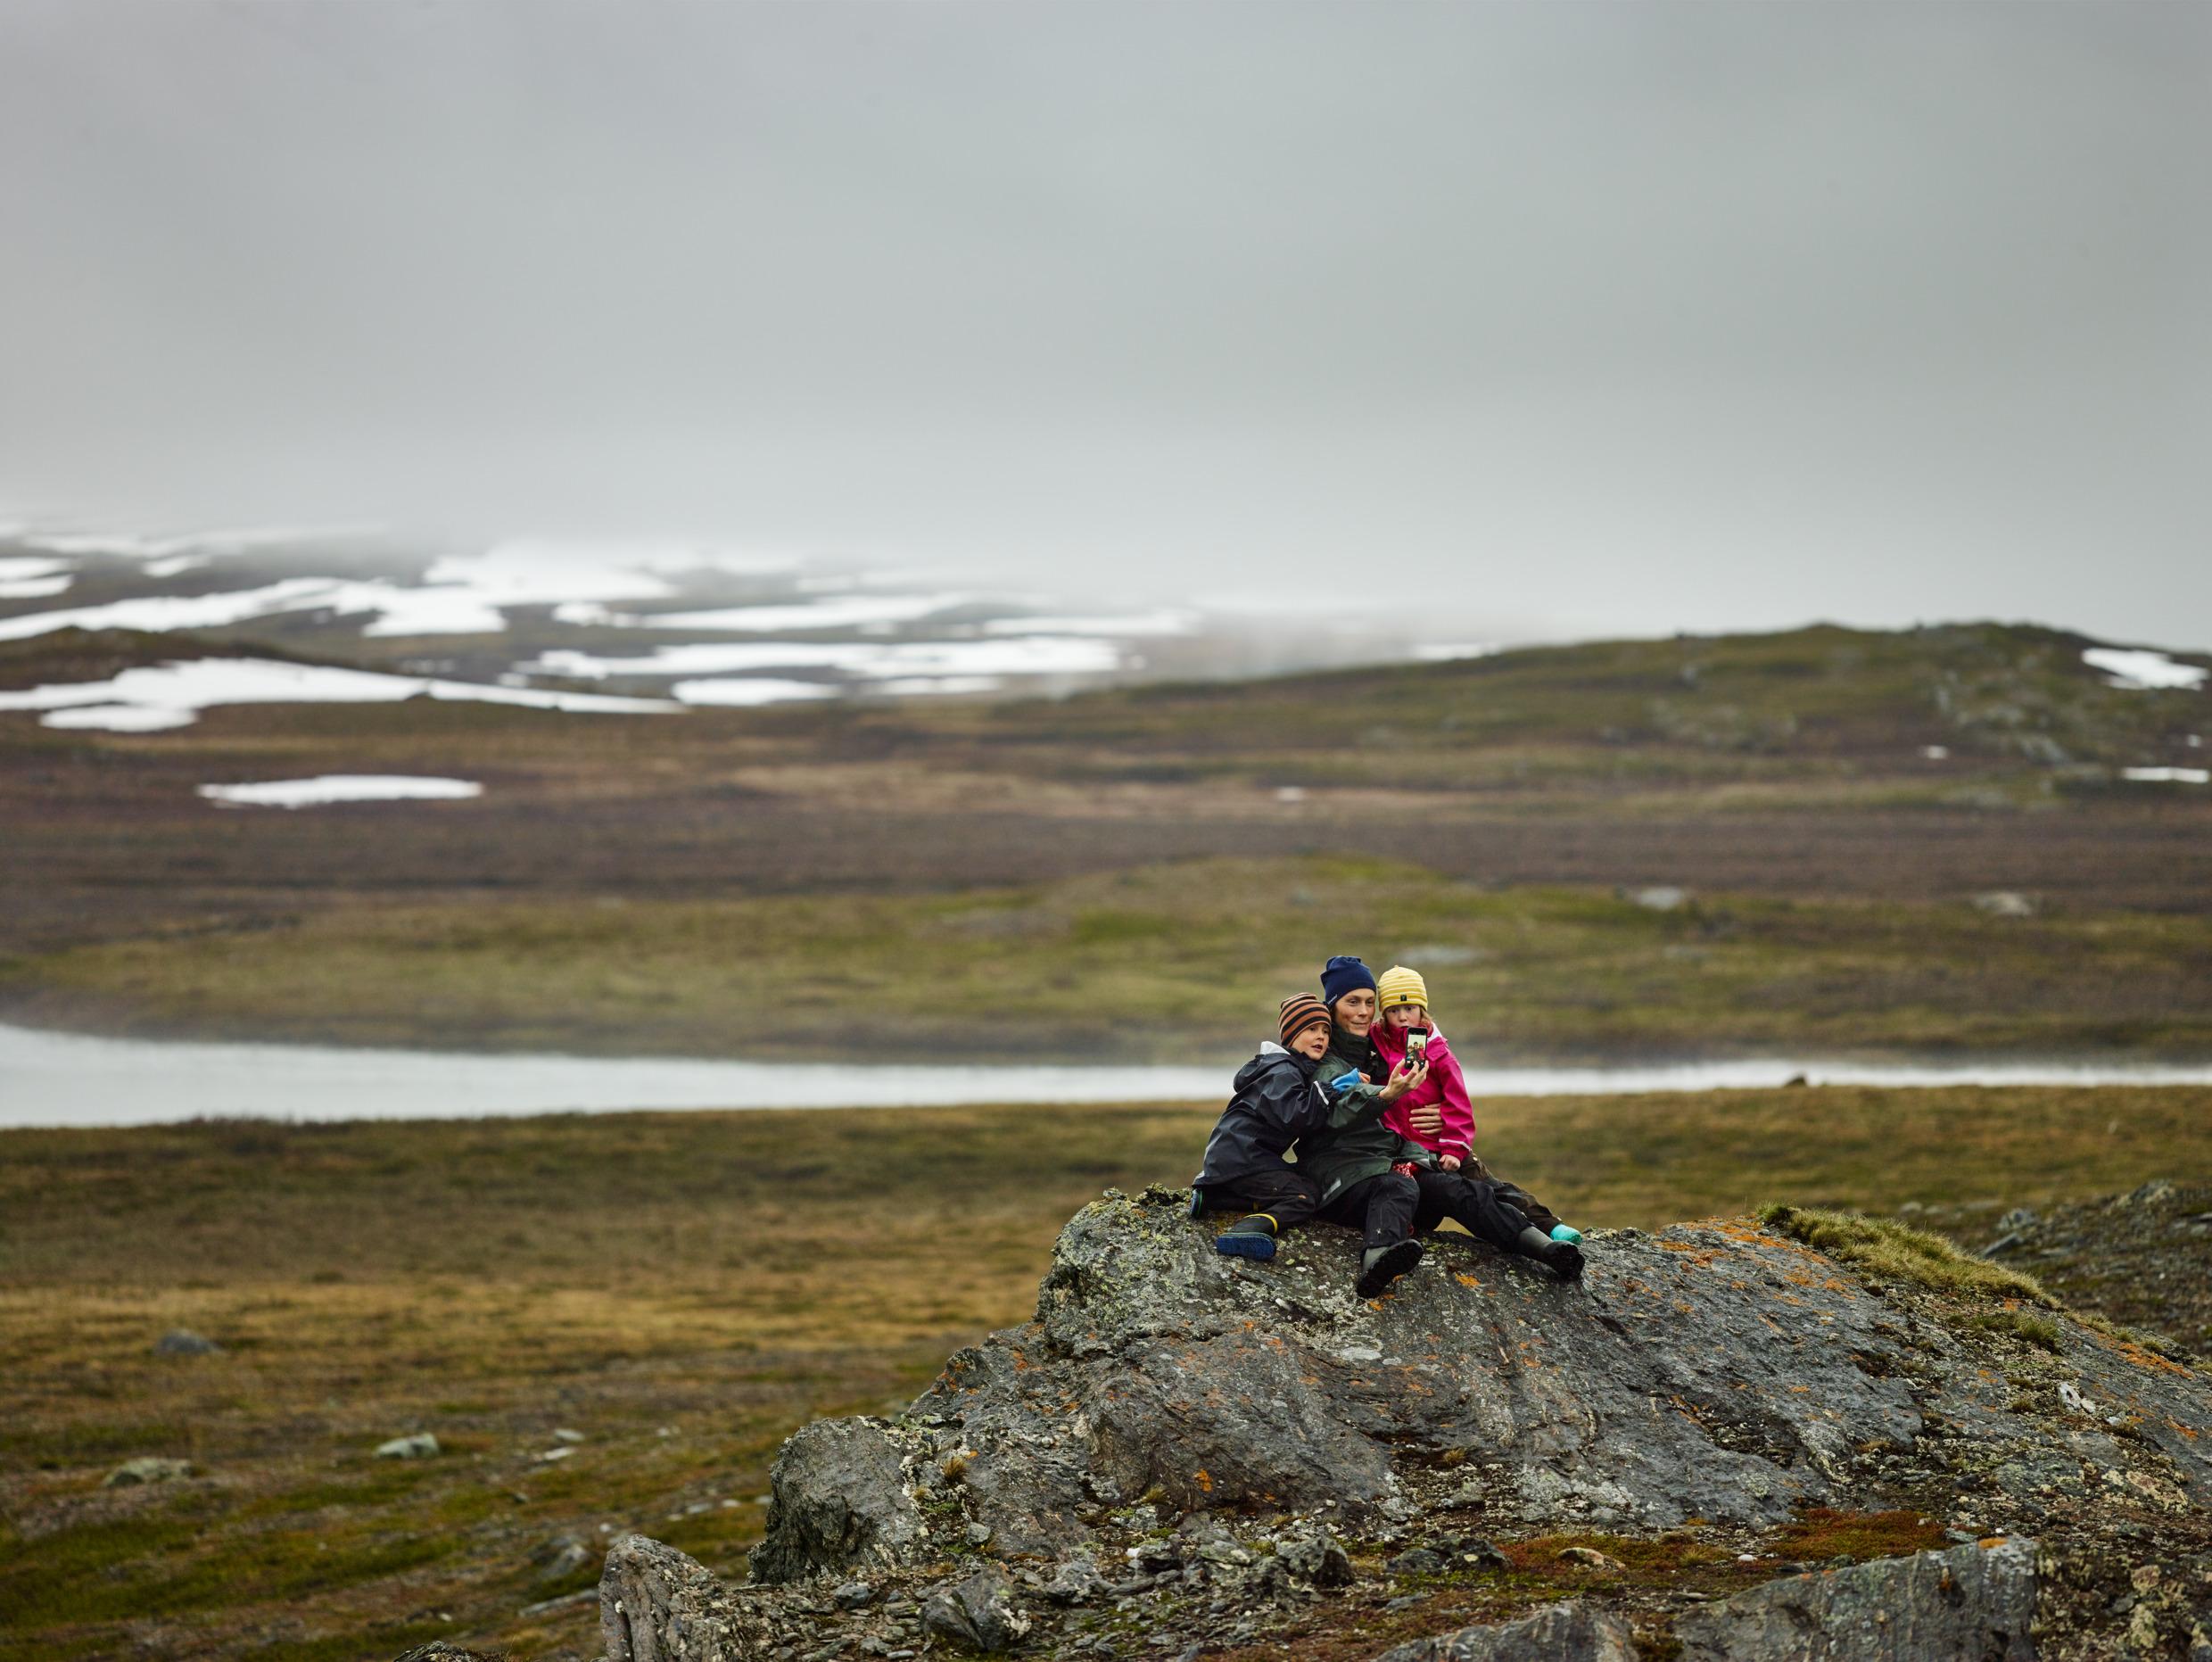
(71, 1079)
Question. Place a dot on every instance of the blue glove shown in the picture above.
(1344, 1082)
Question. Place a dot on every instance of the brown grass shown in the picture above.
(724, 1275)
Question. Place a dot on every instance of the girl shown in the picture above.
(1437, 1113)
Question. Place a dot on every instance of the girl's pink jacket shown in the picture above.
(1445, 1086)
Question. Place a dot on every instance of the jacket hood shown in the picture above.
(1273, 1055)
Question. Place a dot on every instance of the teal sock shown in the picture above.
(1561, 1232)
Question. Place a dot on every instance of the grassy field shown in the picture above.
(683, 1290)
(1160, 961)
(1148, 869)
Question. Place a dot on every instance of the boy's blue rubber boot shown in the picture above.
(1198, 1204)
(1561, 1232)
(1248, 1237)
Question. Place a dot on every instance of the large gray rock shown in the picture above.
(659, 1605)
(1715, 1370)
(841, 1498)
(1573, 1632)
(1971, 1604)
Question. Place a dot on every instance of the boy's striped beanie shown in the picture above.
(1302, 1010)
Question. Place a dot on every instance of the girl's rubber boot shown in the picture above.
(1380, 1266)
(1562, 1258)
(1248, 1237)
(1564, 1232)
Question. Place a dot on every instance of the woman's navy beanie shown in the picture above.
(1341, 975)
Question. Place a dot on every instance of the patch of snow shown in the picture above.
(177, 565)
(1935, 752)
(304, 793)
(848, 613)
(16, 569)
(1044, 655)
(119, 718)
(747, 692)
(183, 689)
(461, 594)
(162, 613)
(2169, 776)
(1448, 652)
(32, 588)
(127, 545)
(2143, 671)
(1129, 628)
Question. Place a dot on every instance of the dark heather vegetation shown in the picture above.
(1015, 876)
(684, 1291)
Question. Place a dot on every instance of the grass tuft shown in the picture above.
(2039, 1331)
(1894, 1252)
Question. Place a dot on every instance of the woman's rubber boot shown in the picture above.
(1380, 1266)
(1564, 1232)
(1248, 1237)
(1562, 1258)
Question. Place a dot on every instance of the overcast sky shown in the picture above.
(1564, 319)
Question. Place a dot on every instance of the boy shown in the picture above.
(1437, 1113)
(1276, 1102)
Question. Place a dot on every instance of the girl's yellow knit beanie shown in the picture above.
(1401, 986)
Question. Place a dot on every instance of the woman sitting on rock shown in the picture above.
(1373, 1177)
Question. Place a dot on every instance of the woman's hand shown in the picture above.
(1427, 1118)
(1408, 1074)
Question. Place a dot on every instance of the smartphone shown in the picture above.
(1416, 1046)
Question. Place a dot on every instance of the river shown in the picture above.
(49, 1079)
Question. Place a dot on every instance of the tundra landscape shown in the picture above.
(1955, 846)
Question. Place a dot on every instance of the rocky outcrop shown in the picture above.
(659, 1605)
(1974, 1603)
(1204, 1444)
(1717, 1371)
(842, 1497)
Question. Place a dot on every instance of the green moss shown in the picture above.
(1891, 1251)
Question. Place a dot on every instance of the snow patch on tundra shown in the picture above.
(307, 793)
(1044, 655)
(181, 691)
(2143, 671)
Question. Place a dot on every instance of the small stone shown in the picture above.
(421, 1446)
(1658, 897)
(184, 1341)
(146, 1469)
(977, 1534)
(1590, 1557)
(1417, 1561)
(1077, 1580)
(978, 1612)
(2004, 903)
(561, 1558)
(852, 1594)
(562, 1433)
